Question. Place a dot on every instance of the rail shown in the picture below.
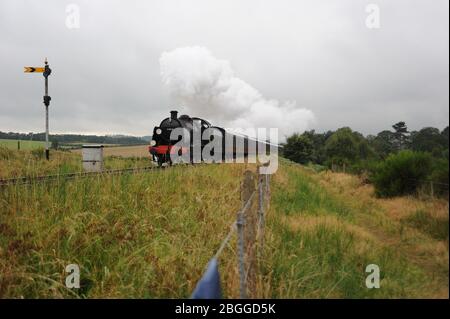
(66, 176)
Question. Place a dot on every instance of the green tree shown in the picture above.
(318, 140)
(444, 134)
(428, 139)
(298, 148)
(342, 147)
(401, 135)
(365, 150)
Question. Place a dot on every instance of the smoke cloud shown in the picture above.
(207, 87)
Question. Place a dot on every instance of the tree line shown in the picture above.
(75, 138)
(403, 155)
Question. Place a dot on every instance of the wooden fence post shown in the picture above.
(247, 222)
(431, 189)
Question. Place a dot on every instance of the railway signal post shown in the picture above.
(46, 71)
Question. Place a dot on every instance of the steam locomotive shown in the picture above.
(163, 147)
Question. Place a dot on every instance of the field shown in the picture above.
(124, 151)
(24, 145)
(109, 150)
(32, 163)
(151, 235)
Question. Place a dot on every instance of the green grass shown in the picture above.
(425, 222)
(147, 235)
(306, 197)
(319, 249)
(151, 235)
(24, 145)
(326, 263)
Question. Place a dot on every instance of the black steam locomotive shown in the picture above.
(162, 147)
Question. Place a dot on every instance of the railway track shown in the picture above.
(27, 180)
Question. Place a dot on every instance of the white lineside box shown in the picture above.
(92, 158)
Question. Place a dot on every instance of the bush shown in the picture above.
(401, 173)
(298, 148)
(440, 176)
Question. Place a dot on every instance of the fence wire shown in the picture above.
(27, 180)
(250, 225)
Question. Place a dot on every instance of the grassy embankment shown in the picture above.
(151, 235)
(327, 227)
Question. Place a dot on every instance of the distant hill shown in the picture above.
(76, 138)
(147, 138)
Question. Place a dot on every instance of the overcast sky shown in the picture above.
(320, 54)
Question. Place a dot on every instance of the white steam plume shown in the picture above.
(207, 87)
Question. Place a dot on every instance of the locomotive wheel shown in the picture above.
(160, 160)
(165, 158)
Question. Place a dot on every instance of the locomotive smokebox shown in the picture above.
(173, 115)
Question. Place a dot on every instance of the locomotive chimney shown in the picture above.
(173, 115)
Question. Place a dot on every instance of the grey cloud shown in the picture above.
(320, 54)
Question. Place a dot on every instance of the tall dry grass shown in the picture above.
(326, 228)
(151, 235)
(143, 235)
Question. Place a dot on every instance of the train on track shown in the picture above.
(196, 142)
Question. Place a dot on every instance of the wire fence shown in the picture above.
(427, 186)
(249, 223)
(250, 227)
(431, 188)
(27, 180)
